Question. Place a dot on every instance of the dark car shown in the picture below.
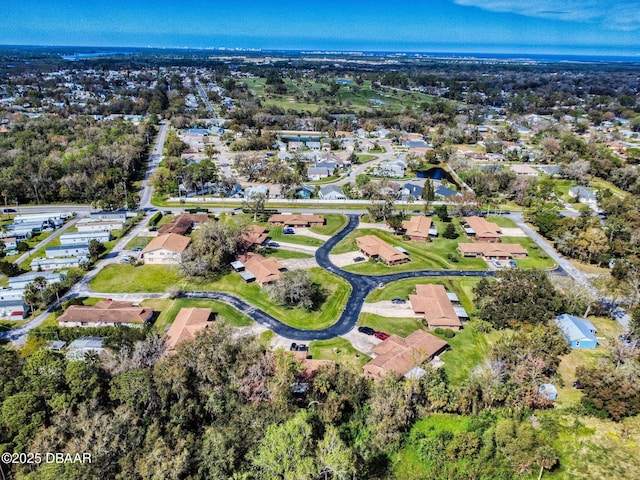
(358, 259)
(294, 347)
(303, 348)
(273, 244)
(9, 210)
(288, 231)
(381, 335)
(153, 229)
(366, 330)
(398, 301)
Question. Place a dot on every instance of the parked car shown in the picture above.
(153, 229)
(273, 244)
(366, 330)
(496, 263)
(288, 231)
(358, 259)
(293, 347)
(398, 301)
(381, 335)
(9, 210)
(513, 264)
(137, 249)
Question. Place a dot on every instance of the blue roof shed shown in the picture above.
(579, 332)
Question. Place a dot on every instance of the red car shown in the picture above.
(381, 335)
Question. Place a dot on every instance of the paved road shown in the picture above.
(152, 164)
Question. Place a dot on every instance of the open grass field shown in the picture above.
(338, 291)
(334, 222)
(399, 326)
(284, 254)
(124, 278)
(275, 233)
(137, 242)
(537, 258)
(501, 221)
(169, 310)
(309, 95)
(338, 350)
(424, 255)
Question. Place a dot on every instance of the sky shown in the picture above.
(579, 27)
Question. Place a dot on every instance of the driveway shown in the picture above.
(388, 309)
(298, 263)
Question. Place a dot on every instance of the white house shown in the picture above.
(89, 225)
(38, 264)
(394, 169)
(81, 250)
(21, 281)
(84, 237)
(331, 192)
(583, 195)
(13, 309)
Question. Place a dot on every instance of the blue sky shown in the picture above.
(493, 26)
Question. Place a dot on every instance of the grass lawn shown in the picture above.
(424, 255)
(537, 258)
(137, 242)
(399, 326)
(502, 221)
(164, 220)
(338, 291)
(338, 350)
(279, 253)
(275, 233)
(365, 157)
(124, 278)
(334, 222)
(169, 310)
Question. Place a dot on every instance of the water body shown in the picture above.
(81, 56)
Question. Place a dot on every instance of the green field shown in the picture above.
(334, 222)
(124, 278)
(338, 350)
(305, 95)
(537, 257)
(399, 326)
(169, 310)
(275, 233)
(284, 254)
(424, 255)
(137, 242)
(338, 292)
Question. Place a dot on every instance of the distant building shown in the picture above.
(83, 238)
(400, 356)
(583, 196)
(419, 228)
(165, 249)
(83, 346)
(88, 225)
(186, 325)
(579, 332)
(38, 264)
(107, 313)
(393, 169)
(492, 251)
(481, 230)
(183, 223)
(296, 220)
(255, 236)
(13, 309)
(23, 280)
(77, 250)
(374, 247)
(433, 304)
(332, 192)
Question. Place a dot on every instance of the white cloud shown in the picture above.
(621, 15)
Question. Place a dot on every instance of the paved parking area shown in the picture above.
(298, 263)
(362, 342)
(344, 259)
(388, 309)
(512, 232)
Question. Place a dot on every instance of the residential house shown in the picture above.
(254, 190)
(432, 303)
(84, 238)
(314, 146)
(332, 192)
(411, 190)
(186, 325)
(392, 169)
(13, 309)
(21, 281)
(419, 228)
(77, 250)
(165, 249)
(88, 225)
(444, 192)
(106, 313)
(524, 170)
(120, 215)
(39, 264)
(295, 146)
(183, 223)
(263, 270)
(481, 230)
(296, 220)
(400, 356)
(10, 243)
(579, 332)
(583, 196)
(83, 346)
(491, 251)
(305, 192)
(318, 173)
(374, 247)
(254, 236)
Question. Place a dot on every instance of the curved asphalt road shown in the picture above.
(361, 285)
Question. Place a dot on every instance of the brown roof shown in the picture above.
(487, 249)
(296, 220)
(374, 246)
(106, 312)
(183, 223)
(433, 301)
(417, 226)
(186, 324)
(265, 270)
(399, 355)
(482, 228)
(170, 241)
(255, 235)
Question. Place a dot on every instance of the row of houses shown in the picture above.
(12, 304)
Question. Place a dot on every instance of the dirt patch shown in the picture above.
(512, 232)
